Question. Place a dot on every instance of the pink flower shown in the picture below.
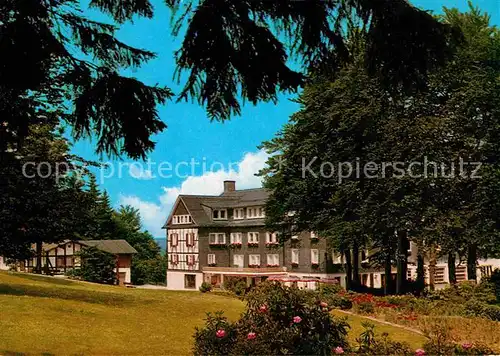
(419, 352)
(338, 350)
(263, 308)
(220, 333)
(323, 304)
(251, 336)
(467, 345)
(297, 319)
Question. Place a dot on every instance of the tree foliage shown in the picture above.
(351, 120)
(96, 266)
(62, 62)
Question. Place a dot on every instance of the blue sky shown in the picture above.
(191, 135)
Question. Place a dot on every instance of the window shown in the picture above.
(314, 256)
(190, 260)
(439, 275)
(253, 237)
(190, 239)
(216, 238)
(190, 281)
(211, 259)
(255, 212)
(219, 214)
(175, 259)
(174, 239)
(461, 273)
(254, 260)
(181, 219)
(239, 214)
(313, 235)
(237, 238)
(295, 256)
(271, 238)
(238, 260)
(273, 260)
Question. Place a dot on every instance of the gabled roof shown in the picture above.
(116, 247)
(200, 207)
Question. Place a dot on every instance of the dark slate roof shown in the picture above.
(117, 247)
(200, 207)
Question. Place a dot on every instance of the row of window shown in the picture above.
(181, 219)
(273, 260)
(237, 238)
(253, 259)
(239, 213)
(189, 238)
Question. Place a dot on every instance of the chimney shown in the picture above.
(229, 186)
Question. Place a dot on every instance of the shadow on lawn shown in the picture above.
(88, 296)
(34, 277)
(13, 353)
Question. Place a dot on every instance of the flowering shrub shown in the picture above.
(440, 342)
(315, 265)
(254, 266)
(253, 244)
(236, 244)
(278, 320)
(295, 264)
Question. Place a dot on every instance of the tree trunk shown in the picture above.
(388, 288)
(348, 269)
(452, 275)
(355, 266)
(402, 263)
(38, 268)
(420, 273)
(471, 262)
(432, 267)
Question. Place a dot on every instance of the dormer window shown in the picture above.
(219, 214)
(255, 212)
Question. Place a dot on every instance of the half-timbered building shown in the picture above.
(59, 258)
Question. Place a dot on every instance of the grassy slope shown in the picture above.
(413, 339)
(80, 318)
(46, 315)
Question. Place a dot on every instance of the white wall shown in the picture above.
(127, 274)
(175, 280)
(3, 266)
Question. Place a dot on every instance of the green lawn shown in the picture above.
(397, 334)
(53, 316)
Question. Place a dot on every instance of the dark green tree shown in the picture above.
(96, 266)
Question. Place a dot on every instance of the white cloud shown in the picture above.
(211, 183)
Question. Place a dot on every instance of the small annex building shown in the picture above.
(59, 258)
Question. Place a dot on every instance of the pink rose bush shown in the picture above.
(338, 350)
(419, 352)
(277, 320)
